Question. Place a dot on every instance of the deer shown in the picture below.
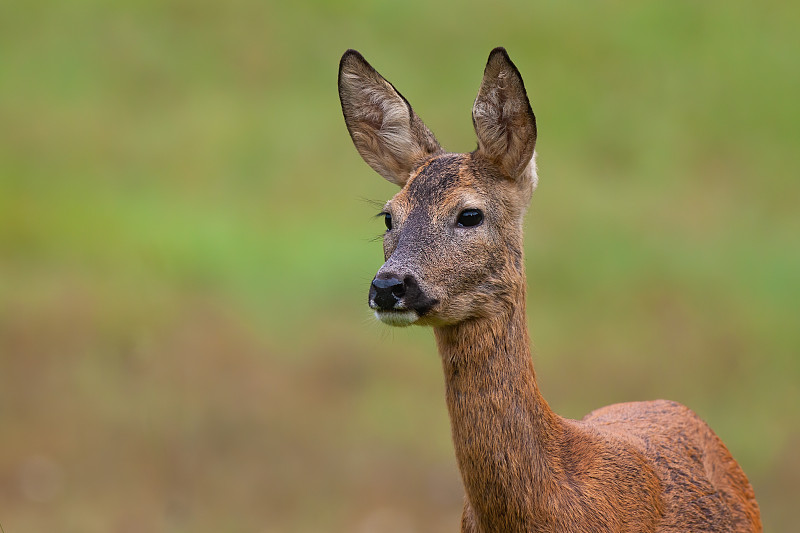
(453, 251)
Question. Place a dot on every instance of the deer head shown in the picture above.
(453, 241)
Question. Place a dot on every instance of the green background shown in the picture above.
(187, 239)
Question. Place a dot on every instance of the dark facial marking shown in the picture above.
(436, 178)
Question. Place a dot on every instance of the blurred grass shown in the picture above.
(185, 250)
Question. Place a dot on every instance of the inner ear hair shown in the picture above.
(502, 116)
(384, 128)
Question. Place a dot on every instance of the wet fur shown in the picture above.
(637, 467)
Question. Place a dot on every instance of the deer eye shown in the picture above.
(387, 219)
(470, 217)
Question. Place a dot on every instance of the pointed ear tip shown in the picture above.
(498, 61)
(350, 52)
(499, 53)
(350, 57)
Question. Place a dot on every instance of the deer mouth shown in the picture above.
(397, 318)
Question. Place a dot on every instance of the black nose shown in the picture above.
(385, 292)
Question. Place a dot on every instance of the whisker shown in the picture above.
(374, 203)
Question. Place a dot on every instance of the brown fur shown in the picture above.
(636, 467)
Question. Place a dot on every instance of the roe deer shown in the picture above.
(453, 251)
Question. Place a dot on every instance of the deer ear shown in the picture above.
(503, 119)
(387, 133)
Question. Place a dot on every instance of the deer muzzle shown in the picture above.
(398, 301)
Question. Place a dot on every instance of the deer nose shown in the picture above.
(386, 291)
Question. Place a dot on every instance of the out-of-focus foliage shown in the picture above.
(185, 250)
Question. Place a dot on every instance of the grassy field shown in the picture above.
(186, 243)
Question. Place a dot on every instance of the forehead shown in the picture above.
(438, 180)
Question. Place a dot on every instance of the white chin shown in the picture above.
(397, 318)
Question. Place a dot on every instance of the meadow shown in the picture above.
(187, 238)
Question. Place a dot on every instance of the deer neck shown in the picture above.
(505, 434)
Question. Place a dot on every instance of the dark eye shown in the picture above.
(387, 219)
(470, 217)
